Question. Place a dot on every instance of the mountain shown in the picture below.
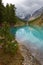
(37, 12)
(22, 13)
(25, 15)
(37, 21)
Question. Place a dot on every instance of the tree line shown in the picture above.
(7, 13)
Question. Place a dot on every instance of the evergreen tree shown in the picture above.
(10, 13)
(1, 14)
(7, 13)
(2, 8)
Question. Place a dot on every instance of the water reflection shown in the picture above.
(29, 34)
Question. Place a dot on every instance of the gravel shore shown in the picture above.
(28, 58)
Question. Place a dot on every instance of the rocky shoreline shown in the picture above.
(28, 58)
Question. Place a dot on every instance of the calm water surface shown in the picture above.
(29, 34)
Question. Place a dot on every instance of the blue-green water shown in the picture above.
(32, 37)
(29, 34)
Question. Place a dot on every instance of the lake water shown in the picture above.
(32, 37)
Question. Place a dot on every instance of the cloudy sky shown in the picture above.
(26, 5)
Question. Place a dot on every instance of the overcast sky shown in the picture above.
(30, 5)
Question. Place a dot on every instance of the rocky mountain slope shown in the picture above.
(26, 16)
(38, 21)
(37, 12)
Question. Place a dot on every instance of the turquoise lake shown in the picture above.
(27, 34)
(32, 38)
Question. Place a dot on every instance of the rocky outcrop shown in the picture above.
(28, 58)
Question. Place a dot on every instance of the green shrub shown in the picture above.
(10, 48)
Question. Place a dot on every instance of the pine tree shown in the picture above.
(1, 11)
(10, 13)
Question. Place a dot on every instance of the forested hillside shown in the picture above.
(37, 22)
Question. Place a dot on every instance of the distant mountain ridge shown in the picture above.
(26, 16)
(23, 15)
(38, 12)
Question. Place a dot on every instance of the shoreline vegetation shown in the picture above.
(9, 49)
